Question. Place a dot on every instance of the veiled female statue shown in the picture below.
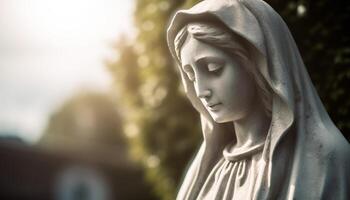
(266, 133)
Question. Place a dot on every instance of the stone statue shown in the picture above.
(266, 133)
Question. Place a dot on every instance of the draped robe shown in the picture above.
(304, 155)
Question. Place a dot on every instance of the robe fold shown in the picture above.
(304, 155)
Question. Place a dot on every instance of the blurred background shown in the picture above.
(90, 101)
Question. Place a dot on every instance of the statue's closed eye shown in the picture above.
(215, 67)
(212, 68)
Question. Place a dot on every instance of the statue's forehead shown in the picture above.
(193, 49)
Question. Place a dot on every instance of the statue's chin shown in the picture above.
(221, 119)
(225, 117)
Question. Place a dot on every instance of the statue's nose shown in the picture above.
(204, 93)
(202, 86)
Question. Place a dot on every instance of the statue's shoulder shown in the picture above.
(336, 148)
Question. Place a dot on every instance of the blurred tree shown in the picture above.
(160, 122)
(87, 131)
(162, 126)
(87, 118)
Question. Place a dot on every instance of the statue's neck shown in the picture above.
(252, 129)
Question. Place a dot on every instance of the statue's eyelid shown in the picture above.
(206, 61)
(214, 66)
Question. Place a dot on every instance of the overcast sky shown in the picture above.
(50, 49)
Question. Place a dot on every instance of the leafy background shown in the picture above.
(161, 126)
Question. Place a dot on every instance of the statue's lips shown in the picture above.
(213, 107)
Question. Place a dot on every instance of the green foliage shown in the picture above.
(163, 128)
(161, 125)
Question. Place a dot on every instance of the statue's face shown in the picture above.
(223, 86)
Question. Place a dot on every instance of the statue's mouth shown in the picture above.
(213, 107)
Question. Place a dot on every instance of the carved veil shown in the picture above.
(305, 156)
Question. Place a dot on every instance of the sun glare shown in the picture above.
(63, 21)
(50, 49)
